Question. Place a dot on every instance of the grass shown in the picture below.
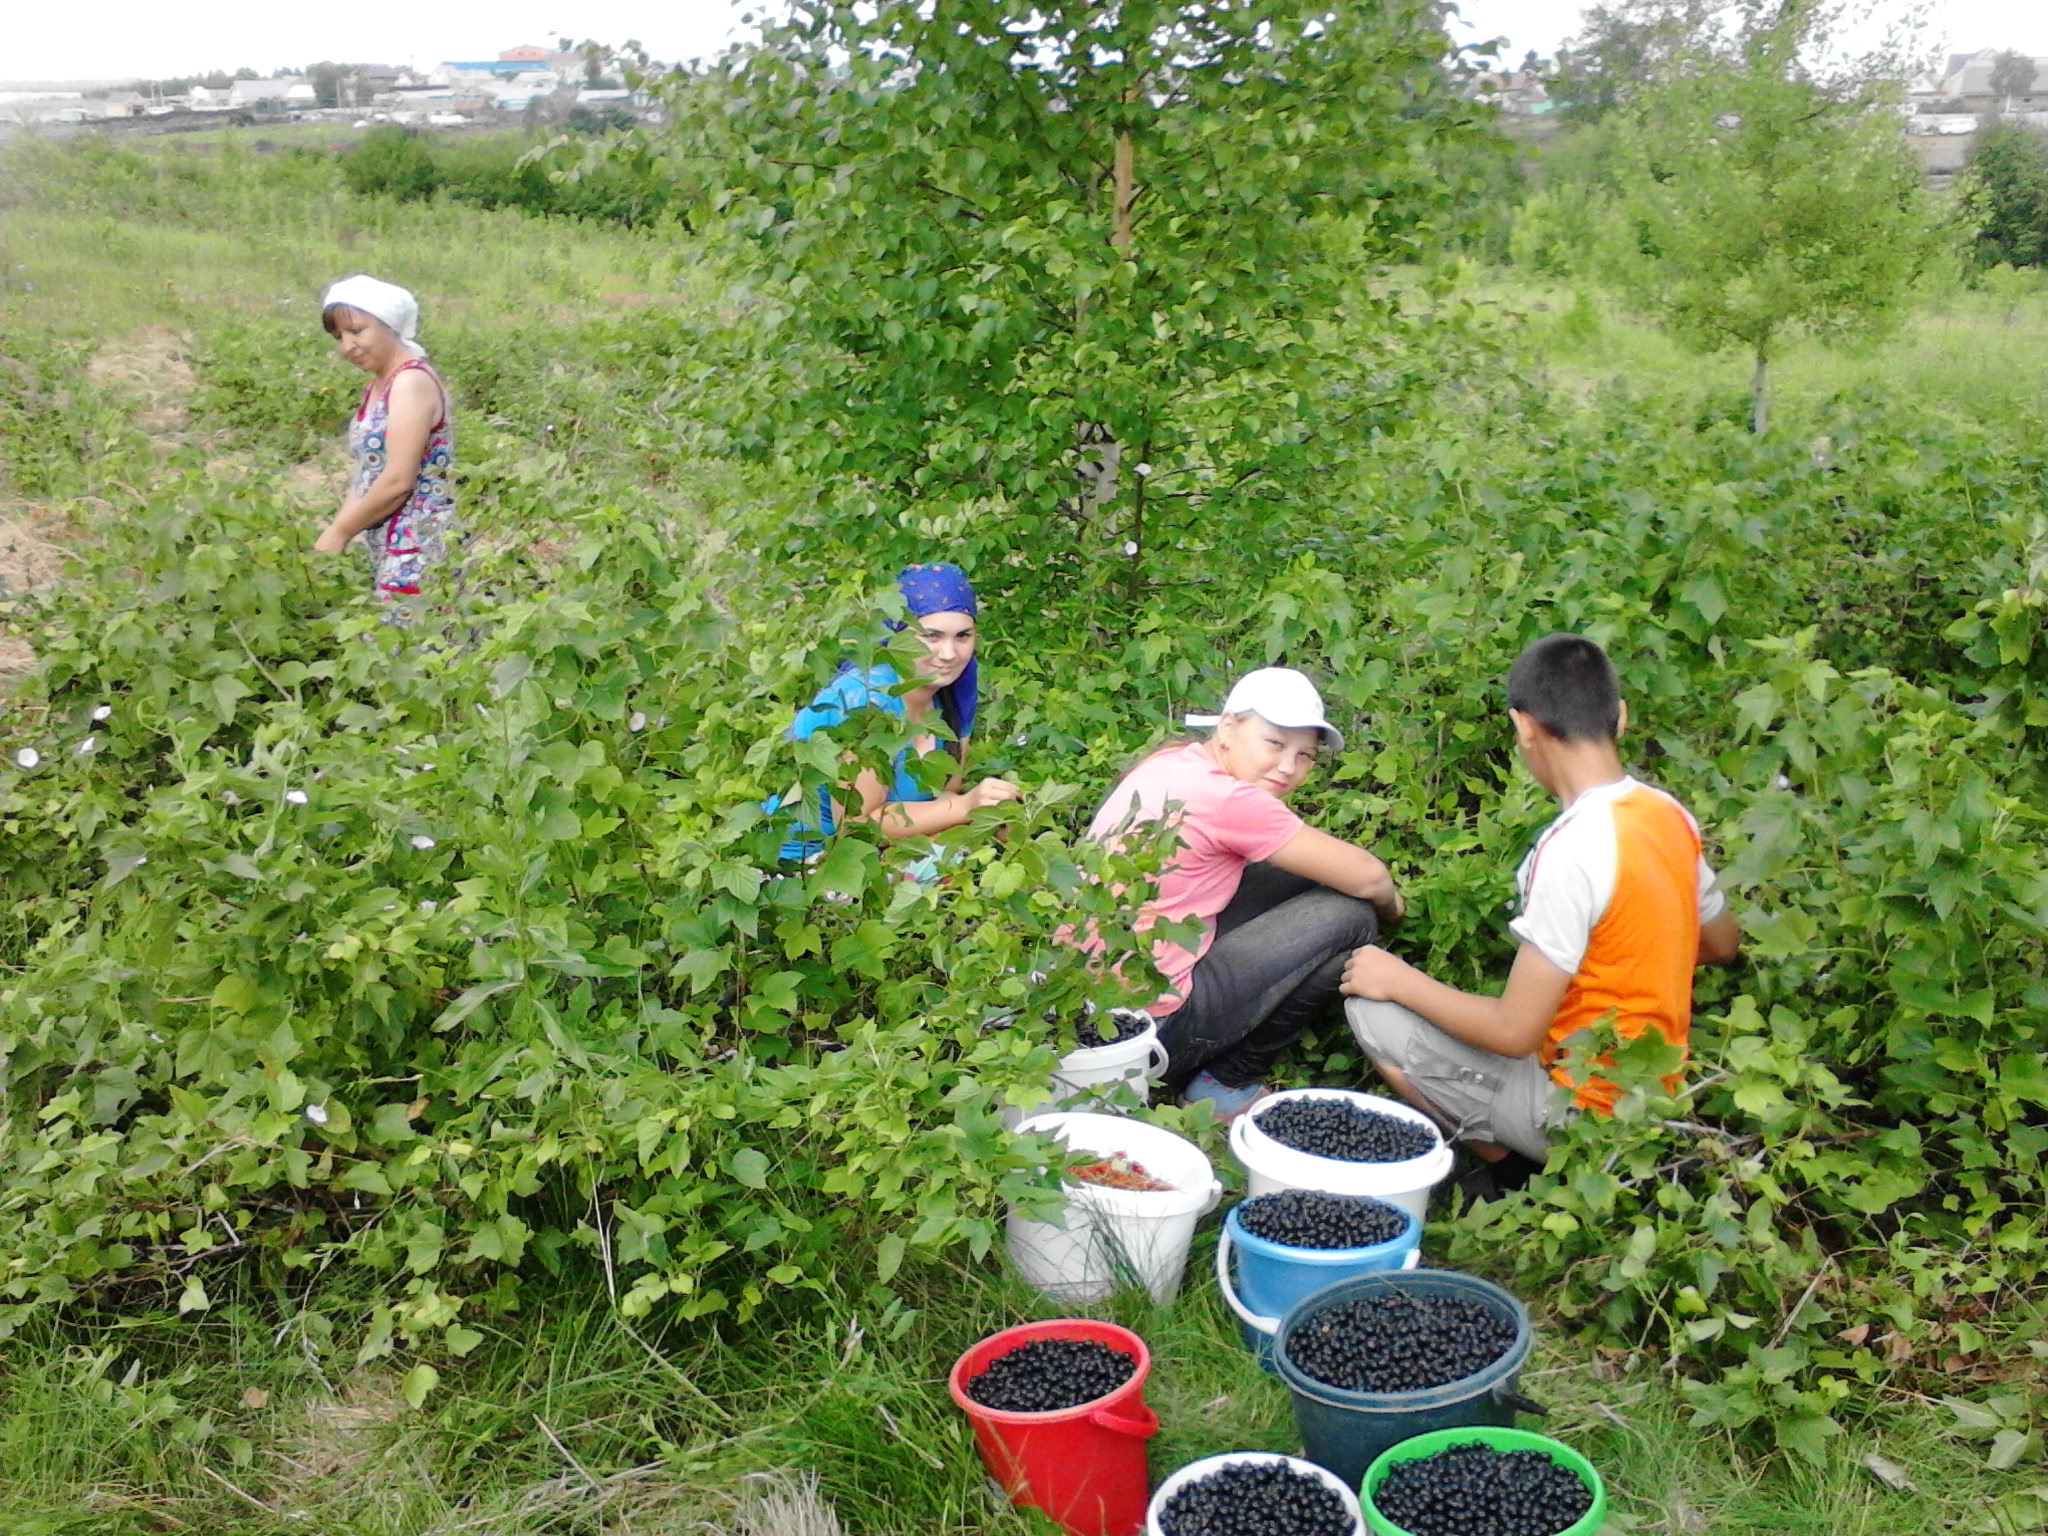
(93, 275)
(251, 1420)
(569, 1418)
(1977, 351)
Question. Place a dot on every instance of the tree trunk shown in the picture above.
(1134, 576)
(1101, 456)
(1098, 460)
(1760, 394)
(1124, 190)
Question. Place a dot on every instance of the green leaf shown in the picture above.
(227, 691)
(236, 994)
(1704, 593)
(1807, 1433)
(750, 1166)
(366, 1177)
(889, 1257)
(1972, 1415)
(778, 991)
(2009, 1447)
(845, 865)
(417, 1383)
(509, 673)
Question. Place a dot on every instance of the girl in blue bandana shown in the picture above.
(943, 613)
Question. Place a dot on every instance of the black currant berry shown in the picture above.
(1256, 1498)
(1345, 1131)
(1475, 1490)
(1309, 1218)
(1399, 1341)
(1099, 1029)
(1049, 1374)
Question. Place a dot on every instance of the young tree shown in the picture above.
(1622, 47)
(326, 78)
(2005, 195)
(2012, 74)
(1067, 273)
(1755, 205)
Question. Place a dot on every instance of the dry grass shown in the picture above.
(32, 542)
(148, 366)
(782, 1504)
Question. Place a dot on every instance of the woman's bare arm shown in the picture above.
(922, 818)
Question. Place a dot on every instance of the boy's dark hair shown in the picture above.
(1567, 685)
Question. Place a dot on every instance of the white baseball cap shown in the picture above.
(1280, 696)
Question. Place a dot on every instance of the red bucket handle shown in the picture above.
(1141, 1426)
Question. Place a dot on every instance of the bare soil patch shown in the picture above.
(148, 367)
(32, 542)
(145, 367)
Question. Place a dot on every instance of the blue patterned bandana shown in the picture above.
(940, 587)
(943, 587)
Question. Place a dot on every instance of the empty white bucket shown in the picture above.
(1105, 1238)
(1088, 1076)
(1269, 1166)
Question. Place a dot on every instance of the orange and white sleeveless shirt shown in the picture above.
(1613, 894)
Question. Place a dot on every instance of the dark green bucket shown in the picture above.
(1346, 1431)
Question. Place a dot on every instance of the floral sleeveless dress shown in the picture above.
(416, 542)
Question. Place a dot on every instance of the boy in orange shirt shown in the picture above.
(1617, 908)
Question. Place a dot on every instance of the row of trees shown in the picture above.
(178, 85)
(1735, 176)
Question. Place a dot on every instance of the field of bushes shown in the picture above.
(430, 1108)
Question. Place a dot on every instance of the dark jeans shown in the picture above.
(1272, 972)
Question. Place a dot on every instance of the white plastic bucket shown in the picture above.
(1270, 1167)
(1104, 1238)
(1195, 1471)
(1087, 1076)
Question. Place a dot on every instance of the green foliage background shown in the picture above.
(2005, 189)
(518, 991)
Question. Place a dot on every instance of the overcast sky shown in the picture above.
(109, 38)
(1958, 26)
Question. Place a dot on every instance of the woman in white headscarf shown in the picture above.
(401, 497)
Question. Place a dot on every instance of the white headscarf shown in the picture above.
(388, 302)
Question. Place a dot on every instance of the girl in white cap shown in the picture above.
(401, 496)
(1282, 905)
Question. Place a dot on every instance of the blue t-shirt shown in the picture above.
(850, 690)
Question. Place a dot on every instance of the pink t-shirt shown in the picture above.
(1224, 824)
